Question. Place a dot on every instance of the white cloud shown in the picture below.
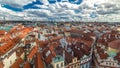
(105, 10)
(45, 2)
(16, 3)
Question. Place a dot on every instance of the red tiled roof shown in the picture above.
(115, 44)
(29, 41)
(12, 42)
(39, 62)
(68, 57)
(44, 52)
(33, 52)
(48, 59)
(69, 40)
(2, 32)
(99, 50)
(102, 41)
(47, 35)
(85, 50)
(43, 44)
(5, 48)
(56, 38)
(103, 55)
(19, 51)
(77, 53)
(17, 63)
(1, 64)
(53, 44)
(27, 65)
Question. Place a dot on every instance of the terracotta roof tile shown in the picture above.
(1, 64)
(48, 59)
(47, 35)
(43, 44)
(19, 51)
(56, 38)
(103, 55)
(5, 48)
(29, 41)
(44, 52)
(115, 44)
(99, 50)
(33, 52)
(17, 63)
(78, 53)
(68, 57)
(2, 32)
(39, 62)
(27, 65)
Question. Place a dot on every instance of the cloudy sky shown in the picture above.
(61, 10)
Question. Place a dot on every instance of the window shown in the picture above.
(106, 63)
(82, 66)
(75, 60)
(109, 63)
(74, 65)
(113, 64)
(87, 65)
(57, 65)
(61, 64)
(118, 63)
